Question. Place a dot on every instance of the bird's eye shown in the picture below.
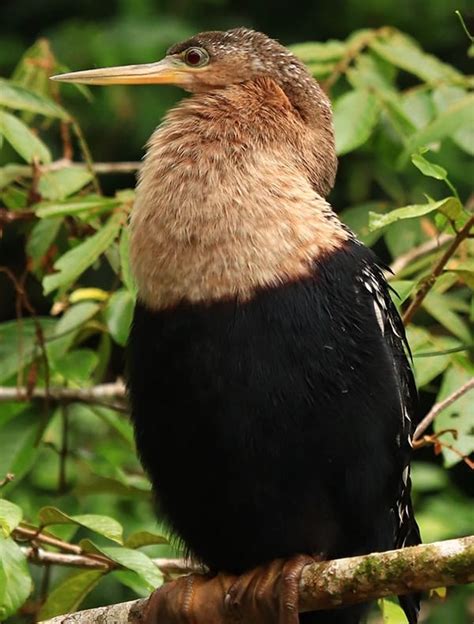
(196, 57)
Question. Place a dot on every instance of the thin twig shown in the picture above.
(109, 395)
(84, 560)
(26, 171)
(27, 534)
(437, 270)
(47, 557)
(439, 407)
(425, 248)
(7, 478)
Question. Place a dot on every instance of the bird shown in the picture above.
(269, 377)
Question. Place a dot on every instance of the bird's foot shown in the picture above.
(265, 595)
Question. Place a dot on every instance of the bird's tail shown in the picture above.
(411, 602)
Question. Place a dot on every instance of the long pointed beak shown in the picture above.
(167, 71)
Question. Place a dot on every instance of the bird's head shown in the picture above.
(207, 61)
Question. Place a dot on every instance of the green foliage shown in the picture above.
(403, 121)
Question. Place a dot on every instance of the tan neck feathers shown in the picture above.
(224, 204)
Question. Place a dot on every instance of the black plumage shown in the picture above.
(280, 425)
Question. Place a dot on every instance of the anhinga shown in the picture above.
(272, 400)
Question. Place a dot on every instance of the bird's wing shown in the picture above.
(393, 332)
(406, 531)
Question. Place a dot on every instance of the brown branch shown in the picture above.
(330, 584)
(352, 53)
(85, 560)
(47, 557)
(426, 286)
(439, 407)
(28, 534)
(111, 395)
(26, 171)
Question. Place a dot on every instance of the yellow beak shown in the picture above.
(170, 70)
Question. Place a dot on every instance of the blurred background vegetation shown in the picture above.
(389, 99)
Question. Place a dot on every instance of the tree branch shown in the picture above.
(426, 286)
(111, 395)
(439, 407)
(26, 171)
(41, 556)
(330, 584)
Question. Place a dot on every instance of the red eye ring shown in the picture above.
(196, 57)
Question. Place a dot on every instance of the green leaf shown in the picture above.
(355, 116)
(19, 443)
(377, 221)
(144, 538)
(428, 368)
(443, 97)
(418, 107)
(403, 289)
(405, 54)
(19, 344)
(41, 238)
(136, 561)
(11, 172)
(55, 185)
(132, 581)
(403, 235)
(69, 594)
(118, 315)
(76, 206)
(124, 252)
(22, 139)
(77, 366)
(15, 580)
(371, 72)
(464, 269)
(75, 261)
(458, 415)
(17, 97)
(331, 50)
(439, 307)
(10, 517)
(70, 323)
(457, 116)
(429, 169)
(104, 525)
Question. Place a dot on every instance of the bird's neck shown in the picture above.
(224, 205)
